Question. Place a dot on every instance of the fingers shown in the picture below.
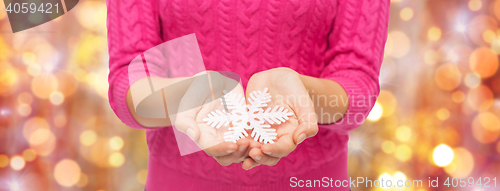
(281, 148)
(235, 157)
(248, 164)
(221, 149)
(261, 158)
(254, 144)
(242, 145)
(303, 131)
(186, 123)
(308, 127)
(189, 106)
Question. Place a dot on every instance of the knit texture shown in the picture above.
(341, 40)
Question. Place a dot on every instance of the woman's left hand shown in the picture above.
(287, 90)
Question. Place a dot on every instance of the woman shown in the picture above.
(329, 51)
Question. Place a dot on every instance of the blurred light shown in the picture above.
(431, 57)
(452, 137)
(472, 80)
(384, 177)
(443, 114)
(43, 145)
(98, 153)
(14, 186)
(95, 79)
(56, 98)
(116, 143)
(116, 159)
(403, 133)
(453, 57)
(17, 163)
(29, 155)
(496, 8)
(32, 124)
(495, 46)
(80, 75)
(46, 147)
(354, 161)
(391, 122)
(480, 98)
(398, 44)
(388, 147)
(489, 36)
(434, 34)
(354, 144)
(40, 136)
(461, 27)
(83, 181)
(89, 45)
(67, 83)
(8, 82)
(498, 148)
(24, 109)
(443, 155)
(484, 62)
(403, 153)
(459, 54)
(458, 96)
(4, 112)
(448, 76)
(462, 164)
(2, 15)
(376, 112)
(9, 77)
(43, 85)
(388, 102)
(49, 67)
(398, 177)
(34, 69)
(29, 58)
(90, 15)
(406, 14)
(67, 172)
(5, 48)
(486, 127)
(88, 137)
(60, 120)
(475, 5)
(478, 26)
(25, 98)
(489, 121)
(142, 176)
(4, 160)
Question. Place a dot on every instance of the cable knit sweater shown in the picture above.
(341, 40)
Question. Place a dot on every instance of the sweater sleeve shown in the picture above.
(133, 27)
(355, 54)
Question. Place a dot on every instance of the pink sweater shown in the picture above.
(341, 40)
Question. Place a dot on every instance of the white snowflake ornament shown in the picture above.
(251, 117)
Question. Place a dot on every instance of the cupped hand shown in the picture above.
(201, 98)
(287, 90)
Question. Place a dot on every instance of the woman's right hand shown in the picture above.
(201, 98)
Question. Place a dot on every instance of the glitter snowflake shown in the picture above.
(248, 117)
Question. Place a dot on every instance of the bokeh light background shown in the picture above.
(438, 114)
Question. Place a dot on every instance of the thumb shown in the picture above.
(308, 127)
(188, 125)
